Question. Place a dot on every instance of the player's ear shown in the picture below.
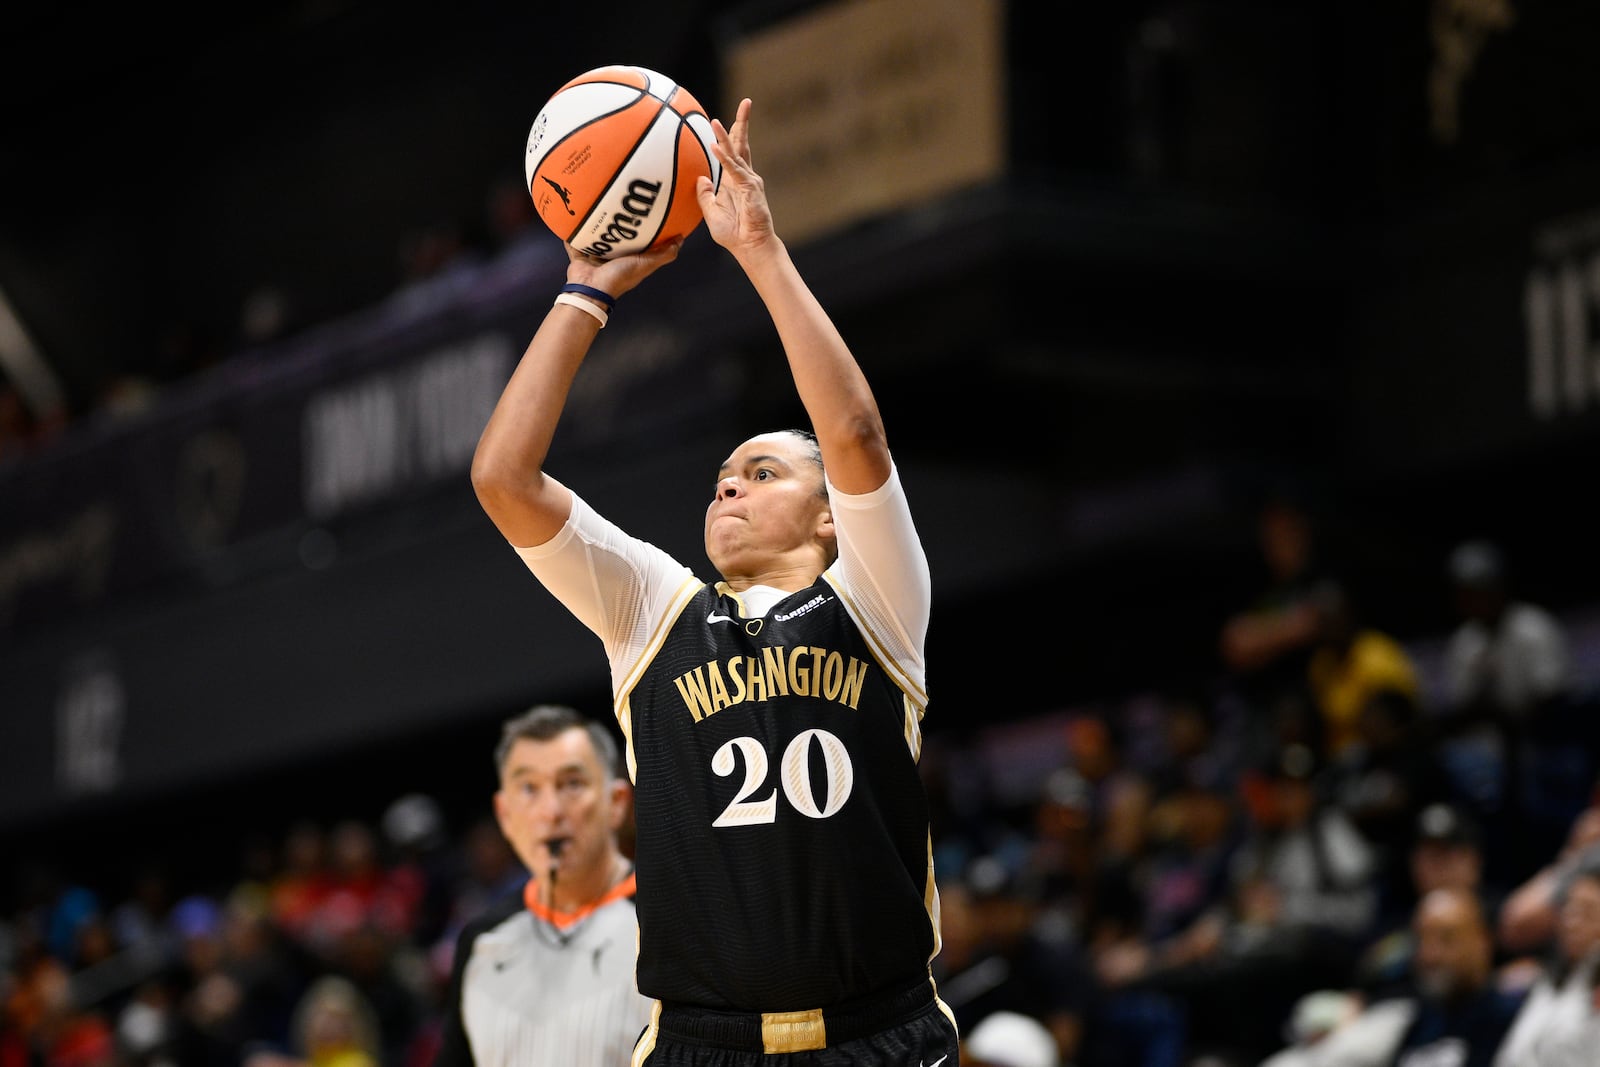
(825, 530)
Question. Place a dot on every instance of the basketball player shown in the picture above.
(772, 719)
(549, 977)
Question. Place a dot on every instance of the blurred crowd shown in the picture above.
(1311, 859)
(330, 947)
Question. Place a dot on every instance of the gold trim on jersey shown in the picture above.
(647, 1040)
(890, 667)
(913, 728)
(793, 1031)
(624, 704)
(930, 902)
(724, 589)
(948, 1014)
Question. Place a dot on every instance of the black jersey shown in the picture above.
(783, 858)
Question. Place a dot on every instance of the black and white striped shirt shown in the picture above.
(525, 992)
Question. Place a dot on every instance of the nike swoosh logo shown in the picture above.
(714, 617)
(936, 1062)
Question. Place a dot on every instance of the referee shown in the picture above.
(788, 910)
(548, 978)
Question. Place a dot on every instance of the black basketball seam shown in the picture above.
(672, 178)
(672, 184)
(623, 165)
(711, 164)
(588, 122)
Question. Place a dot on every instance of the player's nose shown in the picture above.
(730, 487)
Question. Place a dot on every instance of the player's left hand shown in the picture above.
(736, 214)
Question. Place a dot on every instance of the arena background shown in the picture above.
(1215, 247)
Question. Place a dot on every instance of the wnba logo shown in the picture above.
(540, 125)
(636, 207)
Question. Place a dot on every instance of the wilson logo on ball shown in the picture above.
(625, 227)
(613, 158)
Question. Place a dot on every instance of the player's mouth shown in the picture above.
(556, 845)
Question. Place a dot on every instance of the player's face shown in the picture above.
(768, 500)
(555, 798)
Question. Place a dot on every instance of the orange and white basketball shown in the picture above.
(613, 157)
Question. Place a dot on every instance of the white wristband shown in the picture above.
(588, 307)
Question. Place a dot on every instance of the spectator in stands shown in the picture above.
(333, 1027)
(1197, 831)
(369, 957)
(1461, 1016)
(1351, 665)
(210, 1027)
(1384, 781)
(1266, 645)
(1507, 673)
(1453, 1015)
(56, 907)
(1300, 901)
(1000, 954)
(1198, 745)
(1506, 658)
(145, 1029)
(1313, 866)
(1446, 853)
(260, 965)
(422, 865)
(302, 883)
(1529, 918)
(1559, 1023)
(360, 890)
(140, 922)
(1059, 869)
(1120, 800)
(42, 1023)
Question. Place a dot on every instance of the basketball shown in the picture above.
(613, 157)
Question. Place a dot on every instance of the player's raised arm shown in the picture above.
(835, 393)
(508, 467)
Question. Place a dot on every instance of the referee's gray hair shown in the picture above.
(543, 722)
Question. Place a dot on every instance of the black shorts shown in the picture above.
(907, 1029)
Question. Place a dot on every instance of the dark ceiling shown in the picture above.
(157, 170)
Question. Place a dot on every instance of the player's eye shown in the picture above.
(763, 473)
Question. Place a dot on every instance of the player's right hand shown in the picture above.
(618, 274)
(737, 214)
